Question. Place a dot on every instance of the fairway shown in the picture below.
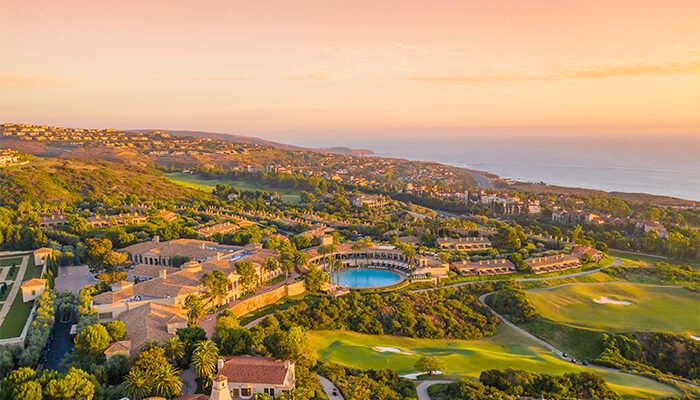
(507, 349)
(652, 308)
(194, 182)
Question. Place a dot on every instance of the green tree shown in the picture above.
(249, 278)
(116, 330)
(217, 284)
(92, 340)
(204, 359)
(167, 383)
(314, 278)
(136, 384)
(174, 349)
(194, 308)
(429, 365)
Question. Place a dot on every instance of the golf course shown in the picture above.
(194, 182)
(507, 349)
(614, 307)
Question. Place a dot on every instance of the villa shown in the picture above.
(245, 376)
(579, 251)
(467, 243)
(484, 267)
(542, 265)
(100, 221)
(369, 201)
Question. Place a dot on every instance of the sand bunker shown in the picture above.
(415, 375)
(695, 337)
(384, 349)
(607, 300)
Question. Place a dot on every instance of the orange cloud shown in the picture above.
(39, 80)
(591, 70)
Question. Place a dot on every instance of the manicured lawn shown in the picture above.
(32, 271)
(507, 349)
(651, 309)
(16, 318)
(194, 182)
(7, 262)
(580, 343)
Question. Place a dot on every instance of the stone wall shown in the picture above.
(264, 299)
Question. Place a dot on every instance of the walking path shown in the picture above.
(189, 385)
(328, 387)
(422, 388)
(15, 288)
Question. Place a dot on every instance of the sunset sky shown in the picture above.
(307, 69)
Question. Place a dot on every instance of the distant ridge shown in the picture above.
(256, 140)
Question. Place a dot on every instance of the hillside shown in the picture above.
(54, 180)
(256, 140)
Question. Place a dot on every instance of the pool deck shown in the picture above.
(402, 277)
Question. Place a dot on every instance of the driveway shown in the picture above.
(328, 387)
(422, 388)
(74, 278)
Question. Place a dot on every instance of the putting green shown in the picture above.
(507, 349)
(652, 308)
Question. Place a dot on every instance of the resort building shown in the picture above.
(169, 286)
(466, 243)
(222, 228)
(320, 232)
(542, 265)
(369, 201)
(246, 376)
(373, 256)
(51, 220)
(579, 252)
(145, 272)
(100, 221)
(484, 267)
(648, 226)
(150, 321)
(32, 289)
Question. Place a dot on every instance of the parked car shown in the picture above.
(335, 391)
(573, 361)
(563, 355)
(584, 362)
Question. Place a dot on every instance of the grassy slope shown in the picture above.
(652, 308)
(194, 182)
(507, 349)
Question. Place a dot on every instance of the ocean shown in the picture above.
(654, 166)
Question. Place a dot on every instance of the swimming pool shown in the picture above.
(365, 278)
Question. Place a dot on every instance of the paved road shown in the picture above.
(61, 344)
(328, 387)
(422, 388)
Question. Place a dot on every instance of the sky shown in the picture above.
(301, 70)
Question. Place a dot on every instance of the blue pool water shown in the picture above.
(363, 278)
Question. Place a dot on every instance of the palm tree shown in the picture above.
(204, 360)
(194, 308)
(136, 384)
(271, 264)
(168, 384)
(174, 349)
(149, 345)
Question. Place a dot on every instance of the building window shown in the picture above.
(235, 392)
(245, 392)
